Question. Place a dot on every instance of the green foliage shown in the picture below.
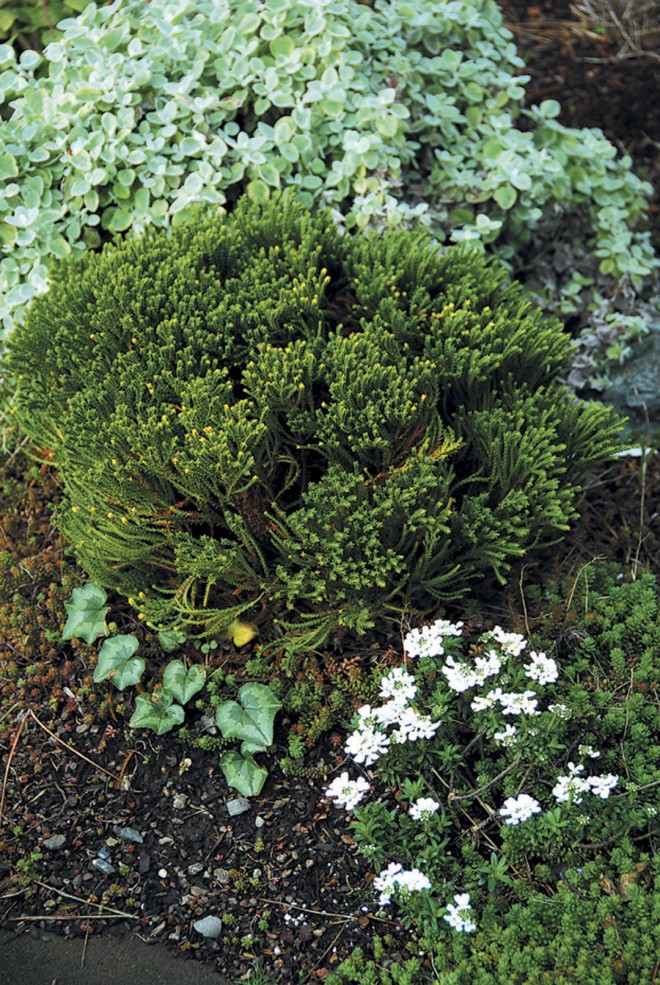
(569, 892)
(181, 683)
(363, 970)
(86, 614)
(157, 711)
(329, 426)
(243, 773)
(598, 927)
(389, 114)
(249, 719)
(117, 662)
(170, 640)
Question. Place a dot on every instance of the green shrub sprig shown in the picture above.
(387, 113)
(260, 417)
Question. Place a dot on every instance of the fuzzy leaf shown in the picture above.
(86, 614)
(156, 711)
(243, 774)
(252, 720)
(117, 663)
(181, 683)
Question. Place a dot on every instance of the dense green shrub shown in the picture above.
(260, 409)
(386, 113)
(567, 887)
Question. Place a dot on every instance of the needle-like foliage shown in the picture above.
(255, 413)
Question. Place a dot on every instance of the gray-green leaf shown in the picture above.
(117, 663)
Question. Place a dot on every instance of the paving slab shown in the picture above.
(47, 959)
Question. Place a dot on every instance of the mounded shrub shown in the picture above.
(257, 412)
(387, 113)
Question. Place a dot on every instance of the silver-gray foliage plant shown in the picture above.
(398, 113)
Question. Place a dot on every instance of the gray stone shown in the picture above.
(210, 927)
(130, 834)
(103, 866)
(259, 822)
(237, 806)
(635, 387)
(55, 841)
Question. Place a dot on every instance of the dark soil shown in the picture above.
(283, 876)
(595, 86)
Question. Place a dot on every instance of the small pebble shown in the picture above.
(104, 852)
(259, 822)
(195, 868)
(237, 806)
(144, 863)
(130, 834)
(179, 802)
(55, 841)
(162, 873)
(103, 866)
(221, 875)
(210, 927)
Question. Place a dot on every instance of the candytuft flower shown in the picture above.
(348, 793)
(570, 786)
(423, 807)
(367, 745)
(541, 668)
(398, 685)
(603, 786)
(517, 809)
(395, 877)
(428, 641)
(455, 915)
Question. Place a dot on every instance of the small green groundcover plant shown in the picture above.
(257, 414)
(509, 800)
(388, 112)
(249, 719)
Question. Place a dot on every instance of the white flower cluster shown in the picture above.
(507, 737)
(573, 785)
(348, 793)
(398, 685)
(422, 808)
(369, 741)
(513, 703)
(455, 915)
(517, 809)
(461, 676)
(513, 644)
(429, 640)
(395, 877)
(541, 668)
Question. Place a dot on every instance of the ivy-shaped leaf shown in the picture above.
(243, 774)
(252, 719)
(117, 663)
(156, 711)
(183, 684)
(86, 614)
(170, 640)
